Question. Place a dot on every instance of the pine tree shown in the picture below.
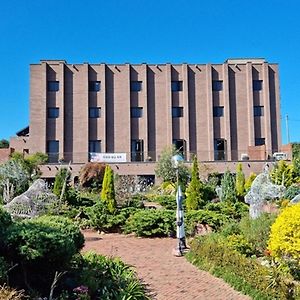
(108, 190)
(61, 183)
(240, 180)
(249, 181)
(228, 188)
(194, 191)
(283, 173)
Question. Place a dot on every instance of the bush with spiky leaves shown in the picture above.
(249, 181)
(283, 173)
(108, 190)
(194, 192)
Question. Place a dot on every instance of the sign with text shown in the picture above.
(108, 157)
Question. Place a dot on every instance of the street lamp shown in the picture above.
(180, 234)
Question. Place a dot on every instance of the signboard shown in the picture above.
(108, 157)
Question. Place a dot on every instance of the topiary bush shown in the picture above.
(108, 190)
(152, 222)
(284, 240)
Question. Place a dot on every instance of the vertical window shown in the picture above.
(136, 112)
(94, 86)
(220, 149)
(135, 86)
(180, 146)
(95, 146)
(53, 112)
(53, 151)
(259, 141)
(176, 86)
(257, 85)
(258, 111)
(217, 85)
(52, 86)
(137, 150)
(218, 111)
(177, 111)
(94, 112)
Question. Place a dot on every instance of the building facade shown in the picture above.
(131, 112)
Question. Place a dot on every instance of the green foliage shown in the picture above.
(194, 192)
(166, 171)
(3, 270)
(249, 181)
(108, 190)
(167, 201)
(4, 143)
(195, 217)
(151, 223)
(101, 219)
(283, 173)
(240, 180)
(296, 150)
(291, 192)
(211, 253)
(61, 182)
(228, 188)
(106, 278)
(233, 211)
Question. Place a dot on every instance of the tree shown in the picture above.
(91, 175)
(108, 190)
(283, 173)
(4, 143)
(167, 172)
(249, 181)
(61, 183)
(194, 191)
(228, 188)
(240, 180)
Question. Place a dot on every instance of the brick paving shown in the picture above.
(166, 277)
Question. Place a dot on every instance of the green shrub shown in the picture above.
(108, 190)
(106, 278)
(211, 253)
(233, 211)
(228, 188)
(240, 180)
(151, 223)
(60, 184)
(249, 181)
(101, 219)
(291, 192)
(211, 218)
(167, 201)
(238, 243)
(3, 270)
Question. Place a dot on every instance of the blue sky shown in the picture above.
(150, 31)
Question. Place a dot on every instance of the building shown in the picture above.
(129, 113)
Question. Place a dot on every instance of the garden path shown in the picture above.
(166, 277)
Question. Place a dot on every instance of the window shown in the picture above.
(258, 111)
(95, 146)
(257, 85)
(180, 147)
(137, 150)
(220, 149)
(94, 86)
(177, 112)
(94, 112)
(135, 86)
(52, 151)
(218, 111)
(176, 86)
(53, 112)
(52, 86)
(136, 112)
(259, 141)
(217, 85)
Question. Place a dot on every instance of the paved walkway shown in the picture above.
(167, 277)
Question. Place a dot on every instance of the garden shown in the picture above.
(258, 253)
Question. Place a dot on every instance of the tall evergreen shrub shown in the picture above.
(240, 180)
(228, 188)
(108, 190)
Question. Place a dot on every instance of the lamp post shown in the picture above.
(180, 233)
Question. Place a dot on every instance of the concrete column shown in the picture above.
(101, 124)
(186, 110)
(169, 105)
(250, 104)
(61, 105)
(144, 101)
(226, 110)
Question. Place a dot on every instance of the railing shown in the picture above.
(152, 156)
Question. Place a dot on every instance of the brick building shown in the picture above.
(127, 114)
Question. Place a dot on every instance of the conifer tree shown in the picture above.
(240, 180)
(108, 190)
(249, 181)
(61, 183)
(194, 191)
(228, 188)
